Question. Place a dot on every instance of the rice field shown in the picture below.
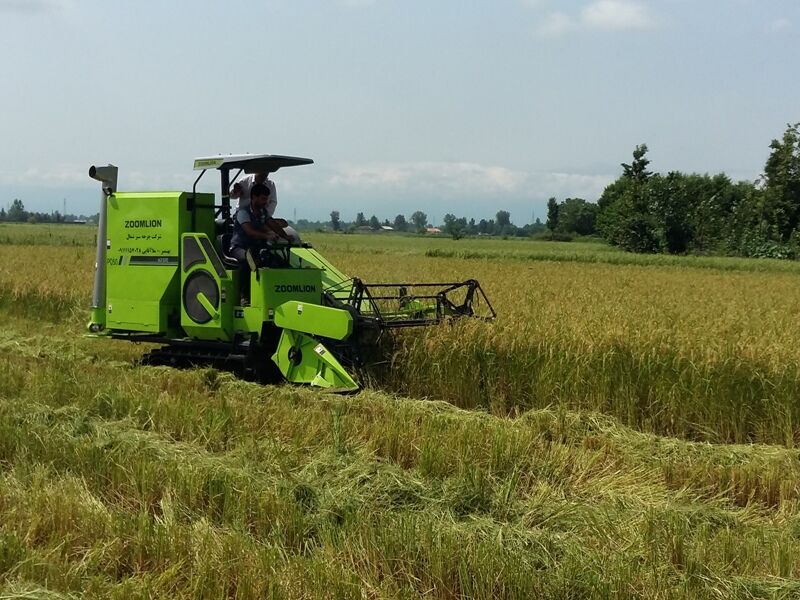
(625, 429)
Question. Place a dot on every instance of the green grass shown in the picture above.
(528, 250)
(601, 254)
(62, 234)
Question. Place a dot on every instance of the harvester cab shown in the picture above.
(163, 274)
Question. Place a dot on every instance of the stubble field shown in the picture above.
(625, 429)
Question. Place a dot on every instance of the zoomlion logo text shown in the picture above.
(137, 223)
(286, 288)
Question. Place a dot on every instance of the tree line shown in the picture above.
(678, 213)
(417, 222)
(16, 213)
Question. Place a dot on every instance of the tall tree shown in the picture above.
(336, 223)
(361, 220)
(374, 223)
(455, 226)
(637, 170)
(400, 223)
(625, 218)
(575, 215)
(552, 214)
(671, 206)
(419, 219)
(503, 218)
(782, 184)
(17, 212)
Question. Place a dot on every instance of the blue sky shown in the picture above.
(440, 105)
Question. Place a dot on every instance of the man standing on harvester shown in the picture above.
(250, 228)
(241, 190)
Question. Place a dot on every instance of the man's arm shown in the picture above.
(239, 186)
(258, 234)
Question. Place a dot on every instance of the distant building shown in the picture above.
(387, 228)
(432, 230)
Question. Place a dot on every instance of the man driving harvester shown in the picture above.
(251, 226)
(242, 190)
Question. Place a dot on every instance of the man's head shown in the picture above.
(259, 195)
(260, 177)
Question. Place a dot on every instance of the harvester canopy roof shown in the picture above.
(250, 163)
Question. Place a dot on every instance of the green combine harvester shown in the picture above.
(163, 275)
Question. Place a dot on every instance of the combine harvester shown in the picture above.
(163, 275)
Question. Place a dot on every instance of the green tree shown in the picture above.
(336, 223)
(361, 220)
(400, 223)
(625, 218)
(781, 207)
(637, 170)
(374, 223)
(552, 214)
(503, 219)
(715, 201)
(419, 219)
(455, 226)
(17, 212)
(575, 215)
(671, 204)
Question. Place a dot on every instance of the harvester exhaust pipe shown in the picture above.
(107, 176)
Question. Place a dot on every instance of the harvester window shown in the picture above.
(212, 254)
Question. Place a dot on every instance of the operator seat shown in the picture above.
(224, 229)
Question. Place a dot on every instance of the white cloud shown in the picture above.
(604, 15)
(616, 15)
(76, 175)
(62, 175)
(467, 180)
(357, 3)
(780, 25)
(556, 24)
(454, 184)
(441, 177)
(570, 185)
(32, 6)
